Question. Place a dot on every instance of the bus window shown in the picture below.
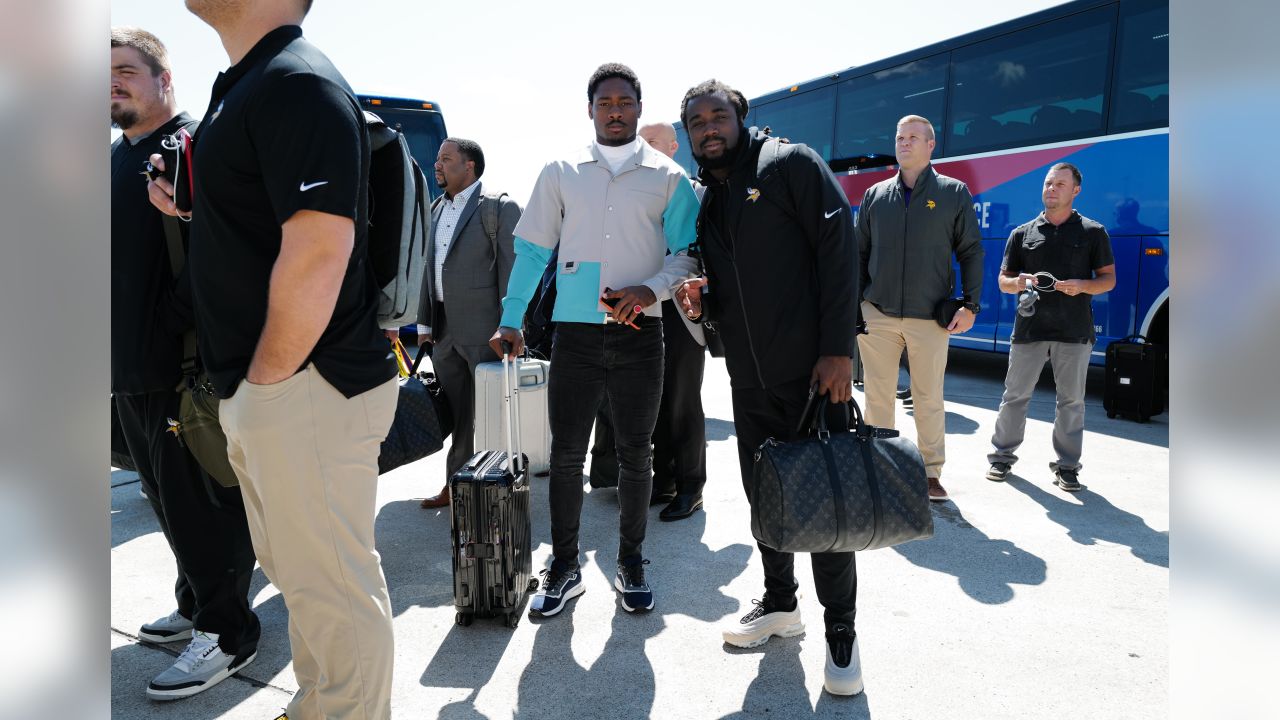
(1140, 99)
(868, 107)
(1039, 85)
(684, 156)
(805, 117)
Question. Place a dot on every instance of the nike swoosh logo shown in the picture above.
(305, 187)
(832, 213)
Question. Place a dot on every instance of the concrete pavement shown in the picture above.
(1027, 603)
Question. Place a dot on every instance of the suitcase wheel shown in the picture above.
(532, 586)
(1111, 415)
(463, 619)
(511, 620)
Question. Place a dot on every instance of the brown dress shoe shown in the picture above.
(936, 492)
(439, 501)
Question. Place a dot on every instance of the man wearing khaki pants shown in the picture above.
(908, 229)
(289, 337)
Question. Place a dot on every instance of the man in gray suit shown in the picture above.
(468, 264)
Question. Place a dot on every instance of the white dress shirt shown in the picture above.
(450, 212)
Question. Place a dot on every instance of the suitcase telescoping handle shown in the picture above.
(511, 384)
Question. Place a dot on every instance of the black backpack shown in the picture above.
(399, 224)
(538, 327)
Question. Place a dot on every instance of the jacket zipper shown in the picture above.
(902, 277)
(742, 295)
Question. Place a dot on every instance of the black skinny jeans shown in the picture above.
(775, 412)
(588, 363)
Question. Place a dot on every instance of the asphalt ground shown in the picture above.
(1028, 602)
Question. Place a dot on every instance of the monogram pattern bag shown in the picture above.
(856, 488)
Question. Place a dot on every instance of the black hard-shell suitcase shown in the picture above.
(1136, 378)
(492, 546)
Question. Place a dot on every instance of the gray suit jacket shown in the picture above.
(474, 278)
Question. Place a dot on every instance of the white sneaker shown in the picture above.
(201, 666)
(170, 628)
(843, 672)
(763, 622)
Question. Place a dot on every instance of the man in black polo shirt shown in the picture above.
(286, 308)
(203, 521)
(1068, 256)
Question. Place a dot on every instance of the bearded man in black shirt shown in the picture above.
(150, 311)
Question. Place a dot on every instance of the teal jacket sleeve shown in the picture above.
(531, 261)
(679, 226)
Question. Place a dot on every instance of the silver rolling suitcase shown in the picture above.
(535, 426)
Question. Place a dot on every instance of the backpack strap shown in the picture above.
(489, 205)
(768, 172)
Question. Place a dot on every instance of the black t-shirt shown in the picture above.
(148, 310)
(1070, 251)
(283, 133)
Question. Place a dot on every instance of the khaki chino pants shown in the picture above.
(926, 343)
(307, 459)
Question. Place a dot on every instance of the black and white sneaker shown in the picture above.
(636, 595)
(1067, 480)
(763, 622)
(201, 666)
(170, 628)
(560, 584)
(842, 674)
(999, 471)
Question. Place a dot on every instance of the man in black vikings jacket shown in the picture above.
(782, 285)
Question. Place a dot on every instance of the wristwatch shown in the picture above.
(971, 306)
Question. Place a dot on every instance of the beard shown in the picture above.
(123, 118)
(727, 158)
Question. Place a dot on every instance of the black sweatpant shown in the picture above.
(204, 523)
(760, 414)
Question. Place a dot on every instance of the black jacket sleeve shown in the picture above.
(824, 214)
(966, 242)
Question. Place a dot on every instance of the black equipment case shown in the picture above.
(1137, 372)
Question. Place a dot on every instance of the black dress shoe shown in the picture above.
(681, 507)
(661, 497)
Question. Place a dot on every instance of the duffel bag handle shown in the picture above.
(814, 419)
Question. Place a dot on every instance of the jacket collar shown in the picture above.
(927, 178)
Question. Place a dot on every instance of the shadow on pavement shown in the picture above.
(963, 365)
(778, 689)
(718, 429)
(131, 514)
(986, 568)
(134, 664)
(1090, 518)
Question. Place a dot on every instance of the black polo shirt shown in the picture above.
(1070, 251)
(148, 312)
(283, 133)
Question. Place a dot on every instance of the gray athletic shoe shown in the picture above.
(201, 666)
(170, 628)
(999, 471)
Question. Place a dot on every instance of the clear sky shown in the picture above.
(513, 75)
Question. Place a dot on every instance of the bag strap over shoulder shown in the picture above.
(768, 175)
(490, 203)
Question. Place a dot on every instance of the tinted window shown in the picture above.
(1141, 95)
(425, 131)
(807, 118)
(1041, 84)
(870, 106)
